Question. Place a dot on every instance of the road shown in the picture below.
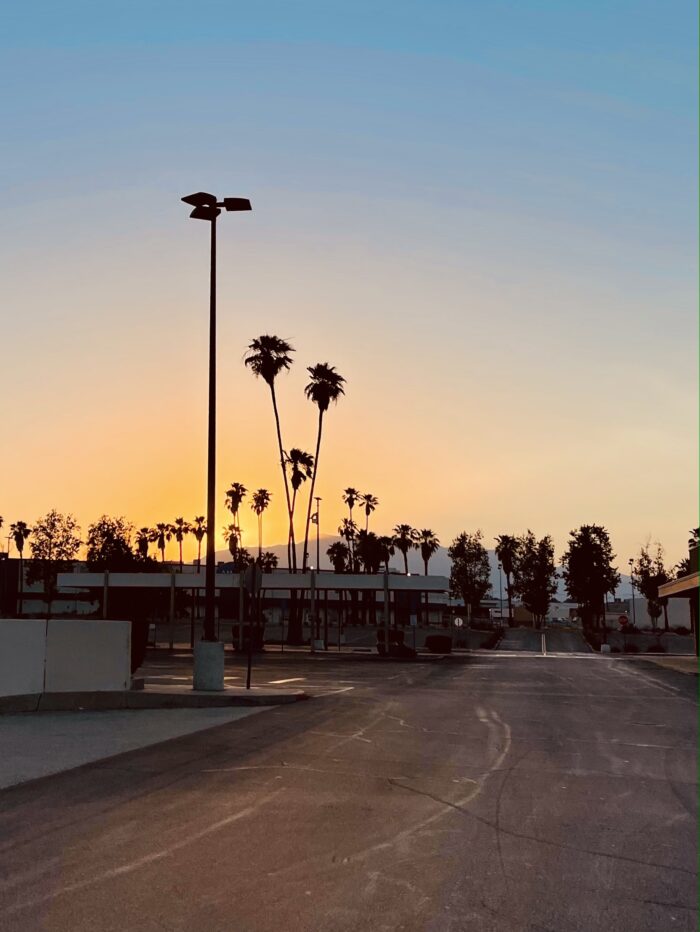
(497, 794)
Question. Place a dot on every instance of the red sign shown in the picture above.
(623, 619)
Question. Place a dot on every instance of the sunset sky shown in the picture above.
(482, 213)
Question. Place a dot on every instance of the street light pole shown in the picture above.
(500, 593)
(318, 532)
(209, 668)
(634, 610)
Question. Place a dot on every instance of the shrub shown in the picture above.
(631, 648)
(614, 650)
(681, 629)
(656, 649)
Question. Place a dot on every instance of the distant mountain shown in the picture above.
(440, 565)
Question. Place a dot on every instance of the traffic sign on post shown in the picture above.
(623, 620)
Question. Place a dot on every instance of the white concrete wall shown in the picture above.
(64, 655)
(22, 656)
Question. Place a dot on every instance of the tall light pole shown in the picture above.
(208, 207)
(318, 532)
(634, 610)
(500, 592)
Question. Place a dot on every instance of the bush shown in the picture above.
(615, 650)
(593, 640)
(631, 648)
(656, 649)
(681, 629)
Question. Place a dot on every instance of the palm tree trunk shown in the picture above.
(311, 491)
(284, 473)
(260, 536)
(510, 603)
(405, 561)
(21, 583)
(291, 540)
(180, 556)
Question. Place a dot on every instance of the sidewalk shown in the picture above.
(34, 746)
(688, 665)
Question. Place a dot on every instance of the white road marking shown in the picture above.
(293, 679)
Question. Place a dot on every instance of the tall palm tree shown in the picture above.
(269, 355)
(507, 551)
(351, 497)
(268, 561)
(234, 499)
(261, 499)
(326, 385)
(199, 530)
(144, 537)
(301, 465)
(405, 540)
(348, 531)
(369, 503)
(20, 532)
(429, 545)
(161, 533)
(179, 529)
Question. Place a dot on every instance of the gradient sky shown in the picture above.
(483, 213)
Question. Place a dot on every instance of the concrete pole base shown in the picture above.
(208, 666)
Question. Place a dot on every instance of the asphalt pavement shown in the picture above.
(497, 794)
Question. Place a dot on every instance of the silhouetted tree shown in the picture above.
(20, 532)
(650, 574)
(339, 555)
(162, 533)
(348, 532)
(269, 355)
(428, 544)
(199, 530)
(301, 467)
(268, 561)
(179, 529)
(387, 545)
(261, 499)
(470, 576)
(369, 503)
(234, 500)
(55, 543)
(507, 551)
(588, 570)
(369, 551)
(326, 386)
(537, 579)
(109, 545)
(405, 539)
(144, 537)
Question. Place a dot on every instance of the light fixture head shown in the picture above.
(200, 199)
(205, 213)
(236, 203)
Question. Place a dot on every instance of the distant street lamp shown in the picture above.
(207, 207)
(500, 591)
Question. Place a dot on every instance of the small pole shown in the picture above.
(241, 610)
(172, 606)
(312, 619)
(250, 648)
(318, 532)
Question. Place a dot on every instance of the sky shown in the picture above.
(482, 213)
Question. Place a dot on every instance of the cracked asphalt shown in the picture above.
(501, 793)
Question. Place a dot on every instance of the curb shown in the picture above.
(142, 699)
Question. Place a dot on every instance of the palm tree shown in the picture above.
(162, 533)
(507, 550)
(20, 532)
(234, 499)
(302, 468)
(429, 545)
(387, 545)
(268, 356)
(199, 529)
(351, 497)
(268, 561)
(179, 529)
(369, 502)
(144, 537)
(326, 385)
(261, 499)
(232, 536)
(339, 554)
(405, 540)
(348, 531)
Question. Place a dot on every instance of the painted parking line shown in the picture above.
(293, 679)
